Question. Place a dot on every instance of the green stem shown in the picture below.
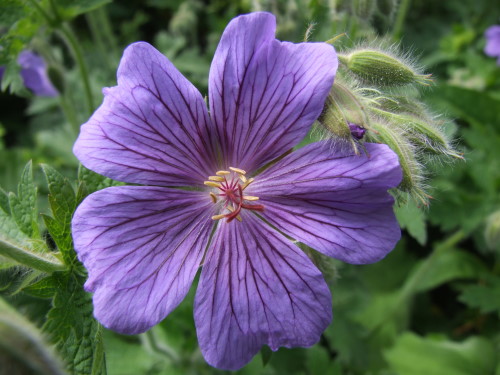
(29, 259)
(400, 19)
(43, 13)
(74, 46)
(69, 112)
(160, 348)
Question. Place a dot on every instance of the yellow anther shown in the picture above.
(216, 178)
(250, 198)
(243, 178)
(237, 170)
(239, 218)
(222, 173)
(249, 181)
(212, 184)
(218, 217)
(214, 197)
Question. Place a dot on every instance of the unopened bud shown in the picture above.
(422, 132)
(492, 231)
(380, 68)
(343, 108)
(412, 172)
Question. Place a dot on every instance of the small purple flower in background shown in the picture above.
(492, 35)
(34, 74)
(143, 245)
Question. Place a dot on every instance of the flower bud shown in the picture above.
(382, 69)
(492, 231)
(422, 132)
(344, 108)
(412, 171)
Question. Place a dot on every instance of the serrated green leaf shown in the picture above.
(414, 355)
(24, 206)
(4, 202)
(43, 288)
(486, 298)
(62, 202)
(411, 218)
(72, 328)
(90, 182)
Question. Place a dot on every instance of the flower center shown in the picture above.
(230, 187)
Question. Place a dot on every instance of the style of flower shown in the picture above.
(34, 74)
(214, 198)
(492, 48)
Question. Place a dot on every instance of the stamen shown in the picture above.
(222, 173)
(212, 184)
(216, 178)
(250, 198)
(214, 197)
(218, 217)
(249, 181)
(243, 178)
(237, 170)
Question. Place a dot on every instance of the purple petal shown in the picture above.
(265, 94)
(34, 73)
(142, 247)
(257, 288)
(334, 202)
(152, 128)
(492, 47)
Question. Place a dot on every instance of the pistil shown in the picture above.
(231, 193)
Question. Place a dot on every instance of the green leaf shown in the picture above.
(411, 218)
(90, 182)
(71, 8)
(4, 202)
(73, 329)
(62, 203)
(266, 354)
(415, 355)
(24, 206)
(12, 10)
(486, 298)
(442, 267)
(44, 288)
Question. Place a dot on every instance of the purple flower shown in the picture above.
(206, 204)
(492, 35)
(34, 74)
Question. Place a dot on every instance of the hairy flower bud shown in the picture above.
(382, 69)
(412, 171)
(423, 132)
(345, 107)
(492, 231)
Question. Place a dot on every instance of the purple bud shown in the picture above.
(356, 131)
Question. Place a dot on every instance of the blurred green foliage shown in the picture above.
(431, 307)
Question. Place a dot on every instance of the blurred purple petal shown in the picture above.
(357, 131)
(334, 202)
(257, 288)
(153, 128)
(142, 247)
(265, 94)
(492, 47)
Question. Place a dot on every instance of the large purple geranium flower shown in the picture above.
(492, 47)
(34, 74)
(143, 245)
